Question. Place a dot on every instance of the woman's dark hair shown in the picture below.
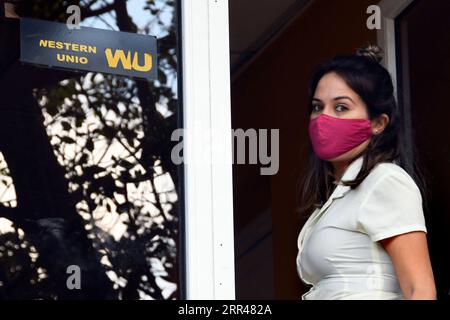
(364, 74)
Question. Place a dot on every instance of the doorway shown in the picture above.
(423, 64)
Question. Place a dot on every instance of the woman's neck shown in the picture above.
(339, 169)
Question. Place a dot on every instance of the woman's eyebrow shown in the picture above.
(343, 97)
(336, 98)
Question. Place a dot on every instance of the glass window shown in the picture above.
(90, 202)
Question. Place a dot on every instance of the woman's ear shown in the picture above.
(380, 123)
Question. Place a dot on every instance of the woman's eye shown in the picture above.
(341, 108)
(315, 108)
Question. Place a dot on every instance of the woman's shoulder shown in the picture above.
(391, 203)
(389, 171)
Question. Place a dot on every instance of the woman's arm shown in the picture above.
(409, 254)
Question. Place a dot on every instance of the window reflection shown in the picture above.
(86, 177)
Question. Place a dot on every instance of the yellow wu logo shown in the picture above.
(128, 61)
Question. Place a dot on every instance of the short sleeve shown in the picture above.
(391, 207)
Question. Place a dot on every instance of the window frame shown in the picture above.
(208, 235)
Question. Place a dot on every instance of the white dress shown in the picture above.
(339, 253)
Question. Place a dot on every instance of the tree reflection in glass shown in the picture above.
(86, 176)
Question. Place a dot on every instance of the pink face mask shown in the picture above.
(331, 137)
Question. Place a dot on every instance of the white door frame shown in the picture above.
(390, 9)
(209, 236)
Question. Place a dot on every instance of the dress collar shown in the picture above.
(350, 174)
(352, 169)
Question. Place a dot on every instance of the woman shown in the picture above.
(366, 238)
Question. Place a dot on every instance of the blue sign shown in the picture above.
(52, 44)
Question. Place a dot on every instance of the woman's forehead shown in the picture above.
(331, 86)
